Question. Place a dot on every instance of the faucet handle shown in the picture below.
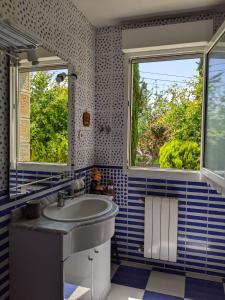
(62, 194)
(61, 199)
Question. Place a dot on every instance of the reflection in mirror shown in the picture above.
(38, 122)
(214, 157)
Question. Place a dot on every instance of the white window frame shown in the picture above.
(148, 172)
(213, 177)
(45, 63)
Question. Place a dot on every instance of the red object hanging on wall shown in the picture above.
(86, 119)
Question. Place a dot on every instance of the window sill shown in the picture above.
(214, 179)
(36, 166)
(157, 173)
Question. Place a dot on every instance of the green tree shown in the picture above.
(183, 120)
(179, 154)
(153, 135)
(173, 118)
(184, 110)
(139, 110)
(49, 119)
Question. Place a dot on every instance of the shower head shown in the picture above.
(61, 76)
(32, 57)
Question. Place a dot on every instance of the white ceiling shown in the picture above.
(110, 12)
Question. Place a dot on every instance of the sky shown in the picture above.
(54, 73)
(176, 71)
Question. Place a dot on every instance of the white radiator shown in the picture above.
(161, 218)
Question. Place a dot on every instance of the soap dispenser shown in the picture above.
(74, 187)
(82, 185)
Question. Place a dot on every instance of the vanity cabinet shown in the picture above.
(77, 269)
(91, 269)
(101, 271)
(40, 264)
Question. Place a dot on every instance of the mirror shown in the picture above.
(39, 121)
(214, 156)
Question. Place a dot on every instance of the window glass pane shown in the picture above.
(43, 117)
(214, 158)
(166, 113)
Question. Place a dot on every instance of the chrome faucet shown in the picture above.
(62, 196)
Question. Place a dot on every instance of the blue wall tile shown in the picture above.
(201, 223)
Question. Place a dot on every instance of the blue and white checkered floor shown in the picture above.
(129, 283)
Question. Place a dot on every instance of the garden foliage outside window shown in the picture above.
(43, 117)
(166, 113)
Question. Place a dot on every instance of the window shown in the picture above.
(214, 155)
(42, 115)
(166, 112)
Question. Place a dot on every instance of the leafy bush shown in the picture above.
(55, 151)
(179, 154)
(166, 121)
(49, 119)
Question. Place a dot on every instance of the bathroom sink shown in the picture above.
(78, 209)
(92, 221)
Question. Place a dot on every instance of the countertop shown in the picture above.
(47, 225)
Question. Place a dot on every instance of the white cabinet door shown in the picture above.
(90, 269)
(101, 271)
(78, 271)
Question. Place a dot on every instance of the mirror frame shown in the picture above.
(57, 170)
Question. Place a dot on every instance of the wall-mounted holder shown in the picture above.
(86, 119)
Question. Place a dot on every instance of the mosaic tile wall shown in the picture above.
(64, 31)
(119, 181)
(201, 222)
(4, 115)
(201, 225)
(201, 244)
(109, 76)
(97, 58)
(33, 181)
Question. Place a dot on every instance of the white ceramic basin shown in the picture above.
(78, 209)
(95, 217)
